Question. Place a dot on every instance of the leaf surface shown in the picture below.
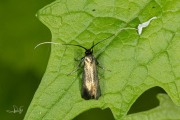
(137, 62)
(167, 110)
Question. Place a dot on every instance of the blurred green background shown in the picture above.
(22, 67)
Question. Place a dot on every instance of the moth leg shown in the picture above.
(78, 59)
(79, 65)
(99, 65)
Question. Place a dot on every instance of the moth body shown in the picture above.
(90, 83)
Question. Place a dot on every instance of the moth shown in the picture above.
(90, 82)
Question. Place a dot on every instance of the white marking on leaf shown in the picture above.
(145, 24)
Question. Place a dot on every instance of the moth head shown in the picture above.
(88, 51)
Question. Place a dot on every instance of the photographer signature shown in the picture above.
(16, 110)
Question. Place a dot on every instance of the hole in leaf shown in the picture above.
(148, 100)
(95, 114)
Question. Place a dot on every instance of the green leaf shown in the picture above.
(165, 111)
(137, 62)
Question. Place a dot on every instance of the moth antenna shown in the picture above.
(92, 45)
(101, 41)
(76, 45)
(45, 43)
